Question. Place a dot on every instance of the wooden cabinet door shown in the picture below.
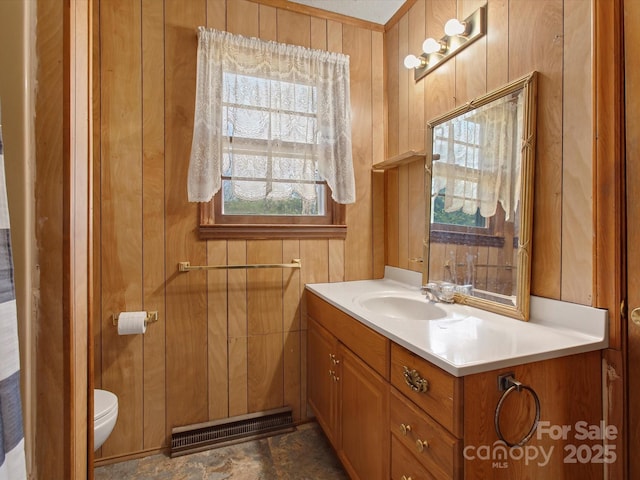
(323, 375)
(364, 419)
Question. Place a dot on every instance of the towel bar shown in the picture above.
(187, 267)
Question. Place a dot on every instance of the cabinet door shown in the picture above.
(323, 374)
(364, 419)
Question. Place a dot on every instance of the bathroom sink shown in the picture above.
(400, 305)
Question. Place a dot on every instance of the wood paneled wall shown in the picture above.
(228, 342)
(551, 36)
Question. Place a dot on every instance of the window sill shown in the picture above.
(460, 238)
(271, 231)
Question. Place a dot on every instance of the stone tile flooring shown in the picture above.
(301, 455)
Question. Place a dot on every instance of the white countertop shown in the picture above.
(469, 340)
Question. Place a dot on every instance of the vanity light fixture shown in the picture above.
(458, 35)
(431, 45)
(455, 27)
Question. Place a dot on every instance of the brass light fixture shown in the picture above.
(458, 35)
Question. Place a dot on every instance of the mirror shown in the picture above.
(480, 166)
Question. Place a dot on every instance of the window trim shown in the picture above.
(244, 227)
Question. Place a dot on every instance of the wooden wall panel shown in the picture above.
(561, 51)
(186, 294)
(153, 262)
(237, 321)
(405, 80)
(577, 169)
(217, 331)
(356, 42)
(122, 216)
(497, 44)
(471, 63)
(217, 14)
(545, 55)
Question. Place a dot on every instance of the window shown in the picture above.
(271, 140)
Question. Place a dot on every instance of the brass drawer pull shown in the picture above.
(415, 382)
(404, 477)
(421, 445)
(405, 428)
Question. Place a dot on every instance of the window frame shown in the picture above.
(215, 225)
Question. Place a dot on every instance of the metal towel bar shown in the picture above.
(187, 267)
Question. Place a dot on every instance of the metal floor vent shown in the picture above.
(205, 436)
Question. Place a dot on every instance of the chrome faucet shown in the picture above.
(439, 292)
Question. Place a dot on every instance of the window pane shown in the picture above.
(440, 215)
(282, 199)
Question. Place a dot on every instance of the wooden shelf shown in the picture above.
(403, 158)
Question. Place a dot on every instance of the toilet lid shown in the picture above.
(103, 403)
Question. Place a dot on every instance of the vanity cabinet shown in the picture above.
(392, 414)
(425, 418)
(324, 377)
(347, 378)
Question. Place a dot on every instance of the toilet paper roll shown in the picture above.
(131, 323)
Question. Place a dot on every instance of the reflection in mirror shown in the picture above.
(480, 214)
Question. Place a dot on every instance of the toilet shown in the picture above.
(105, 414)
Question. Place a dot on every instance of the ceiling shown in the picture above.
(376, 11)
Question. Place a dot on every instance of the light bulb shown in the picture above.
(411, 61)
(431, 45)
(454, 27)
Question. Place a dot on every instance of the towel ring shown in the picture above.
(511, 384)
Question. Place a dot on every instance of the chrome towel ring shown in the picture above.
(508, 383)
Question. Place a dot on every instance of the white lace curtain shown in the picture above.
(270, 111)
(480, 155)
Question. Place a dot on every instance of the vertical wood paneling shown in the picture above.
(186, 299)
(154, 430)
(417, 132)
(217, 331)
(392, 215)
(97, 194)
(293, 360)
(122, 215)
(268, 23)
(471, 63)
(217, 14)
(237, 320)
(497, 43)
(265, 381)
(301, 34)
(543, 53)
(563, 229)
(264, 288)
(243, 18)
(577, 169)
(222, 329)
(392, 206)
(356, 42)
(394, 63)
(50, 363)
(318, 33)
(405, 78)
(378, 144)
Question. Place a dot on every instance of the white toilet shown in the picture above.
(105, 414)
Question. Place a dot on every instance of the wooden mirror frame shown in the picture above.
(528, 84)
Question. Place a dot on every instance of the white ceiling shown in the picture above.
(377, 11)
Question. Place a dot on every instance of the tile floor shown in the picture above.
(301, 455)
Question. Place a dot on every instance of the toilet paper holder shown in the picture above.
(151, 318)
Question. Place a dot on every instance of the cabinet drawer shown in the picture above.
(370, 346)
(442, 399)
(413, 428)
(404, 466)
